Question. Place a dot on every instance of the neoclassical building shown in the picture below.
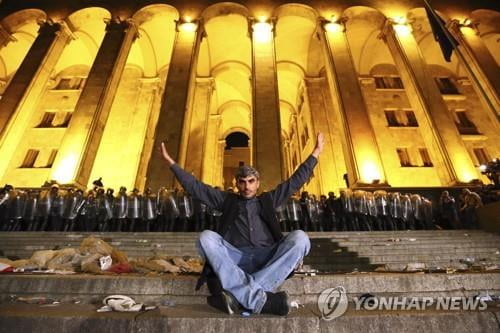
(90, 88)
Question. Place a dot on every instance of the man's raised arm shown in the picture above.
(205, 193)
(284, 190)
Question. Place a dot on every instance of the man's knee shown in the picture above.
(206, 239)
(300, 239)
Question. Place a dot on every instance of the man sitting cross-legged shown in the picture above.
(248, 254)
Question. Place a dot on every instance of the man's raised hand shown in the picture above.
(320, 143)
(165, 154)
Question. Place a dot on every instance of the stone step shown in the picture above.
(46, 239)
(394, 241)
(194, 235)
(344, 252)
(90, 288)
(202, 318)
(396, 267)
(154, 237)
(367, 252)
(422, 244)
(316, 250)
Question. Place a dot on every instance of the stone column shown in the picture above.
(295, 120)
(198, 119)
(363, 160)
(424, 93)
(31, 77)
(171, 126)
(267, 152)
(81, 140)
(20, 98)
(221, 144)
(329, 178)
(211, 165)
(287, 158)
(480, 64)
(153, 90)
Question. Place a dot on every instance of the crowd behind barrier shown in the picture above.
(55, 209)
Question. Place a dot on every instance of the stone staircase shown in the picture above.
(331, 252)
(361, 262)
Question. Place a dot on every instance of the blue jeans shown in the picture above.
(247, 273)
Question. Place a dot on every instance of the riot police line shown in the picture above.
(102, 210)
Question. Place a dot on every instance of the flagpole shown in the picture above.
(461, 57)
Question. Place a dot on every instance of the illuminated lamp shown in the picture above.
(262, 31)
(188, 26)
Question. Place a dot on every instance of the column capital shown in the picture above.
(65, 29)
(389, 27)
(314, 79)
(5, 36)
(48, 26)
(456, 25)
(149, 80)
(117, 24)
(205, 80)
(393, 28)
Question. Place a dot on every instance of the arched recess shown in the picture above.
(136, 106)
(236, 154)
(363, 27)
(23, 28)
(223, 95)
(235, 114)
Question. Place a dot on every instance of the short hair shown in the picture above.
(246, 171)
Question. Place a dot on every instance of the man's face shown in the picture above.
(248, 186)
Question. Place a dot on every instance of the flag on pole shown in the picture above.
(446, 41)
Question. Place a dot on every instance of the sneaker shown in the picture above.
(276, 304)
(224, 302)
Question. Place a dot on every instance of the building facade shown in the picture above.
(90, 88)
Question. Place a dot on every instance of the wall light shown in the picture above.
(333, 27)
(64, 172)
(400, 20)
(262, 19)
(187, 24)
(334, 24)
(262, 31)
(466, 22)
(369, 172)
(189, 27)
